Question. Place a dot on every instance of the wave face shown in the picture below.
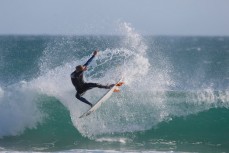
(176, 96)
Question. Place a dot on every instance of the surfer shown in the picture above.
(81, 86)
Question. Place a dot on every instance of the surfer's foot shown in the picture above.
(120, 84)
(91, 105)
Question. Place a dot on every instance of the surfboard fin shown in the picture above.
(116, 90)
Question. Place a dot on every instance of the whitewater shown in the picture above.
(175, 97)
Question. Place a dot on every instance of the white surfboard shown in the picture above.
(101, 100)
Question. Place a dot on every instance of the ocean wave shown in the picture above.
(18, 110)
(58, 132)
(168, 96)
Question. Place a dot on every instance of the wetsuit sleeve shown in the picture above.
(89, 61)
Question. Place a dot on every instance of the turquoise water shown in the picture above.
(176, 96)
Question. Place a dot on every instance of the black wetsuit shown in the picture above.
(81, 86)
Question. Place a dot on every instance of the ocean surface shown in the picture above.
(175, 99)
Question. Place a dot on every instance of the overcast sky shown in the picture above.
(150, 17)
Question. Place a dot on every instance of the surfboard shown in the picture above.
(106, 96)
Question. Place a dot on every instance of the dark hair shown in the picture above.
(79, 68)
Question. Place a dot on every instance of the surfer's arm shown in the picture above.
(89, 61)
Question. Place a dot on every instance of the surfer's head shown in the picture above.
(80, 68)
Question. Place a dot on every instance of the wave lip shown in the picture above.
(18, 110)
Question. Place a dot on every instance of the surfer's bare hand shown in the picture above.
(84, 68)
(95, 52)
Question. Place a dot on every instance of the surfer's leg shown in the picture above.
(78, 96)
(94, 85)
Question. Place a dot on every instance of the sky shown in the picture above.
(93, 17)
